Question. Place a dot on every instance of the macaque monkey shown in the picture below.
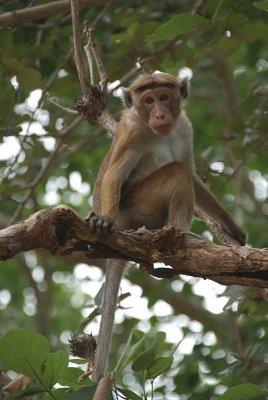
(148, 179)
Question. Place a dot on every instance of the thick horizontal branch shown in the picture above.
(45, 10)
(61, 231)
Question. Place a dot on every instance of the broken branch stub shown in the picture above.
(92, 105)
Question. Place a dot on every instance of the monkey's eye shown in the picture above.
(163, 97)
(148, 100)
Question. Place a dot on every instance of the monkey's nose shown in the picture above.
(160, 116)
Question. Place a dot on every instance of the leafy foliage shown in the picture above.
(178, 25)
(223, 44)
(245, 391)
(47, 368)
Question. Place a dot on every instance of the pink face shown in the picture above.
(157, 104)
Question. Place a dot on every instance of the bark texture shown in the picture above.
(61, 231)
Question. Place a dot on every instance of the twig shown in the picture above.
(242, 162)
(93, 104)
(43, 170)
(144, 64)
(27, 14)
(23, 139)
(237, 336)
(76, 147)
(87, 47)
(91, 48)
(197, 6)
(100, 15)
(77, 48)
(125, 78)
(66, 109)
(89, 54)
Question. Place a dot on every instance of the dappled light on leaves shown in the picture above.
(50, 157)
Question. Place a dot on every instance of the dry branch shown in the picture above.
(45, 10)
(61, 231)
(92, 105)
(77, 48)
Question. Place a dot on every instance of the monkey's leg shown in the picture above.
(181, 204)
(164, 197)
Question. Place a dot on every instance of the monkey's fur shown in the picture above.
(148, 179)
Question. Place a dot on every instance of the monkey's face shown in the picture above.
(160, 106)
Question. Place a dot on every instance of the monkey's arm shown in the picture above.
(123, 160)
(112, 182)
(206, 201)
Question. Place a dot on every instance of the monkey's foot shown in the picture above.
(100, 225)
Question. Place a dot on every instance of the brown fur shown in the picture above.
(153, 81)
(148, 179)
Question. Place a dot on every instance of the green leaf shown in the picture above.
(246, 391)
(70, 376)
(148, 356)
(29, 391)
(99, 296)
(262, 6)
(159, 340)
(24, 351)
(129, 394)
(143, 352)
(235, 293)
(29, 78)
(85, 393)
(144, 360)
(78, 361)
(226, 8)
(59, 394)
(178, 25)
(55, 364)
(12, 65)
(131, 350)
(159, 366)
(261, 310)
(254, 31)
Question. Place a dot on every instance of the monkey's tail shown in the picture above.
(114, 271)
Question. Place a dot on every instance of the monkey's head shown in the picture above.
(158, 100)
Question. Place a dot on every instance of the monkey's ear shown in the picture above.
(127, 99)
(184, 88)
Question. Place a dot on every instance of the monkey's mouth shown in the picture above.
(163, 129)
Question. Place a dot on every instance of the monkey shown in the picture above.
(148, 179)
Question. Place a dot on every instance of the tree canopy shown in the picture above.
(49, 157)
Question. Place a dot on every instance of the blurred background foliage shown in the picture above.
(47, 158)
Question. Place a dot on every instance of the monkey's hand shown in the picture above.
(100, 225)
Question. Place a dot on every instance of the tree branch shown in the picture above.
(92, 105)
(45, 10)
(61, 231)
(77, 49)
(31, 186)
